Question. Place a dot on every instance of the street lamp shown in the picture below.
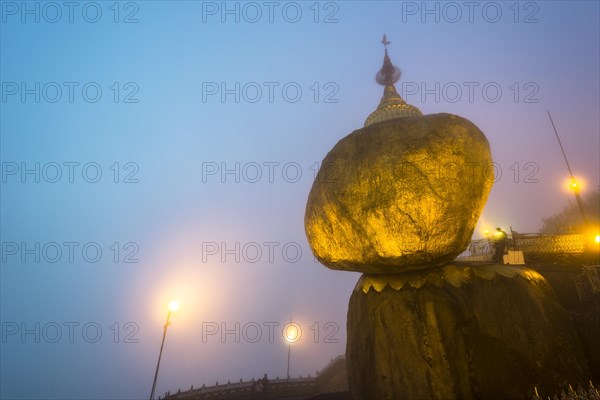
(574, 185)
(173, 306)
(292, 335)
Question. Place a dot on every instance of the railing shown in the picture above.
(538, 243)
(528, 243)
(244, 389)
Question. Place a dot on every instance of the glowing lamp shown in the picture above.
(291, 333)
(174, 306)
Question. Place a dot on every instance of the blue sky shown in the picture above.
(163, 138)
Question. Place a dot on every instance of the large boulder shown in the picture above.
(398, 195)
(460, 332)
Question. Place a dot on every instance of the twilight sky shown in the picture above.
(155, 150)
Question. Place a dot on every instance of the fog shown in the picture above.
(165, 150)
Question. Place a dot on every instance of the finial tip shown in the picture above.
(385, 41)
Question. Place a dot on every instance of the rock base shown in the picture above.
(460, 332)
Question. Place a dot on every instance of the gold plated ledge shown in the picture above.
(451, 274)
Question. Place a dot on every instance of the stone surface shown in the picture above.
(576, 294)
(460, 332)
(398, 195)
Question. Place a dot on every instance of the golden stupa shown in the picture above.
(392, 105)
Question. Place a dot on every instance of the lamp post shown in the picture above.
(288, 365)
(574, 186)
(172, 308)
(292, 335)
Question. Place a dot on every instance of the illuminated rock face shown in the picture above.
(399, 195)
(460, 332)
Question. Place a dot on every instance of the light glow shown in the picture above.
(575, 184)
(292, 332)
(173, 306)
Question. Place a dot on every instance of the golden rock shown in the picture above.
(399, 194)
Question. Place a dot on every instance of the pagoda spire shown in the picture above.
(389, 73)
(392, 105)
